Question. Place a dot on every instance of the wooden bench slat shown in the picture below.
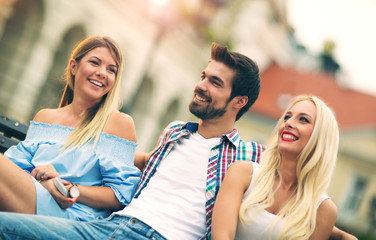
(11, 132)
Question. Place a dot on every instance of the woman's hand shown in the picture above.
(64, 202)
(44, 172)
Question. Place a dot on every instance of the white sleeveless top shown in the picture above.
(259, 228)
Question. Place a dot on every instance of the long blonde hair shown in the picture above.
(314, 171)
(94, 119)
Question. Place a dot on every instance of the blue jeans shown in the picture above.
(23, 226)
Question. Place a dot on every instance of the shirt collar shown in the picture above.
(191, 126)
(232, 136)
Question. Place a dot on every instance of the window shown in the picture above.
(353, 199)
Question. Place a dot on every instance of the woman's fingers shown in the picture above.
(64, 202)
(44, 172)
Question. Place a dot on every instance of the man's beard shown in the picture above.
(208, 112)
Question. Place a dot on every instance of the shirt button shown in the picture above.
(134, 221)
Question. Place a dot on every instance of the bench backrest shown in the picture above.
(11, 132)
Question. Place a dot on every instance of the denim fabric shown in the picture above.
(15, 226)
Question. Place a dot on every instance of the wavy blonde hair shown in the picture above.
(92, 120)
(314, 171)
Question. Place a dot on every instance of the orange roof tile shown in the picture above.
(352, 108)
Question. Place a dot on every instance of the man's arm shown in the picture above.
(140, 159)
(338, 234)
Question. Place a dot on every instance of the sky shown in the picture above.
(351, 24)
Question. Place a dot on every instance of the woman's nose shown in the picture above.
(101, 71)
(290, 123)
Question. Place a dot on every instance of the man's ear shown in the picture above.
(73, 66)
(240, 101)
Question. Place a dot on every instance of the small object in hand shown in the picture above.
(73, 191)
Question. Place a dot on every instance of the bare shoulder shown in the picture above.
(241, 167)
(121, 125)
(240, 172)
(325, 220)
(47, 115)
(327, 209)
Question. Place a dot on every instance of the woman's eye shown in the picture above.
(304, 120)
(286, 117)
(94, 62)
(112, 70)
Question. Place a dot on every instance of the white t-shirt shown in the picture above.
(259, 228)
(173, 202)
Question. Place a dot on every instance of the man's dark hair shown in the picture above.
(246, 81)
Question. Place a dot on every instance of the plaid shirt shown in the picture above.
(230, 149)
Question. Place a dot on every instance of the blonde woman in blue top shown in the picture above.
(86, 142)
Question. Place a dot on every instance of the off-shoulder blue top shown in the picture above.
(110, 164)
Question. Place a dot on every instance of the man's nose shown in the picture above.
(203, 84)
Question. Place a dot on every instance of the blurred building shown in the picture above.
(162, 54)
(165, 48)
(261, 30)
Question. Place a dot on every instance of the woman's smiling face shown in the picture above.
(296, 130)
(95, 74)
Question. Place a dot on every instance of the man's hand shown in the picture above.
(338, 234)
(141, 158)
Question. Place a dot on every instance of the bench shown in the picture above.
(11, 132)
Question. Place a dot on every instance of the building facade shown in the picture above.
(37, 36)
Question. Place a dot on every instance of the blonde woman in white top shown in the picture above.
(285, 197)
